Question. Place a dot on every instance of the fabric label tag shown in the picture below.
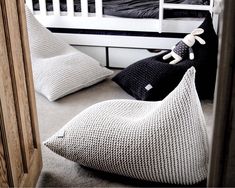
(148, 87)
(60, 134)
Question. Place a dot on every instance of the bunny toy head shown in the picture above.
(191, 38)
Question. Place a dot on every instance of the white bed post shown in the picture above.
(84, 8)
(216, 8)
(98, 8)
(43, 9)
(70, 7)
(29, 4)
(211, 6)
(161, 12)
(56, 7)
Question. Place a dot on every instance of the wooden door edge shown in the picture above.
(224, 97)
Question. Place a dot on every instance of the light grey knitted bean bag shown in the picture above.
(158, 141)
(58, 68)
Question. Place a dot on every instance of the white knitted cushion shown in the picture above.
(158, 141)
(58, 68)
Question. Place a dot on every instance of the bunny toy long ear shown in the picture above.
(200, 40)
(197, 31)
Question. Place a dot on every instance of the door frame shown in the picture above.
(20, 147)
(222, 156)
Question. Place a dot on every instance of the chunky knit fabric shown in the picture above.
(58, 68)
(158, 141)
(164, 77)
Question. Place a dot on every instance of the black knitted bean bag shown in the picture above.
(153, 78)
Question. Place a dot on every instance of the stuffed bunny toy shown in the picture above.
(184, 47)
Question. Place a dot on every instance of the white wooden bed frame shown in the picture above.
(99, 21)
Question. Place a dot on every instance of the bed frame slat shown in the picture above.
(211, 6)
(161, 12)
(84, 8)
(56, 7)
(70, 7)
(186, 7)
(43, 10)
(98, 8)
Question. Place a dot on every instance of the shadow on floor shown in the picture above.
(87, 177)
(135, 182)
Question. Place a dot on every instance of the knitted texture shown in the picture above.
(58, 68)
(162, 141)
(164, 77)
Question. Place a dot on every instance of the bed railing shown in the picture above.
(163, 6)
(70, 7)
(85, 20)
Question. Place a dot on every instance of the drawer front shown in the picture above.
(123, 57)
(98, 53)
